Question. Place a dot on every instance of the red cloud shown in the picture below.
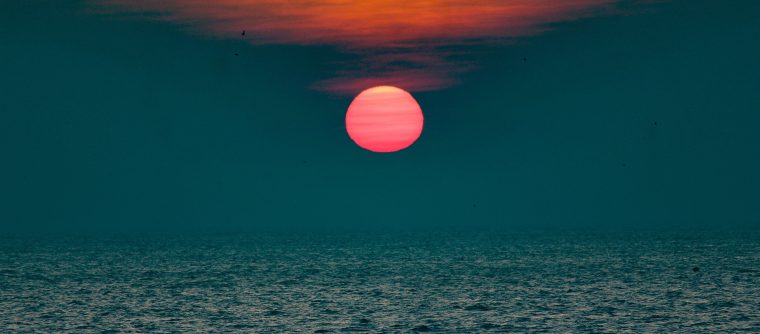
(401, 39)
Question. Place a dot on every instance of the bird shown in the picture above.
(236, 54)
(655, 123)
(242, 33)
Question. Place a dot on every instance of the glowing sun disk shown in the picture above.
(384, 119)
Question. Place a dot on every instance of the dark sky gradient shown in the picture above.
(130, 125)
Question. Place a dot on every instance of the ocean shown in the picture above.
(400, 282)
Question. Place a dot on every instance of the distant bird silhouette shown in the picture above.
(655, 123)
(695, 269)
(242, 33)
(236, 54)
(525, 60)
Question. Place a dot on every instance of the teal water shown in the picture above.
(404, 282)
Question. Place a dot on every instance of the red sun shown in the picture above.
(384, 119)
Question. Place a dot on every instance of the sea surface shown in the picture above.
(448, 282)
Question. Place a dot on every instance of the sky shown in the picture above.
(117, 116)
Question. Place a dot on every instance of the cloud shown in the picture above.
(401, 42)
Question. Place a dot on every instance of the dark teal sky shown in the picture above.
(127, 125)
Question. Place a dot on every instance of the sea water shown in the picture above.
(394, 282)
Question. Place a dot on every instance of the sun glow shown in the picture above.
(384, 119)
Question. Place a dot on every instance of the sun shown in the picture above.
(384, 119)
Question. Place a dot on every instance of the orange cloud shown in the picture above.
(394, 35)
